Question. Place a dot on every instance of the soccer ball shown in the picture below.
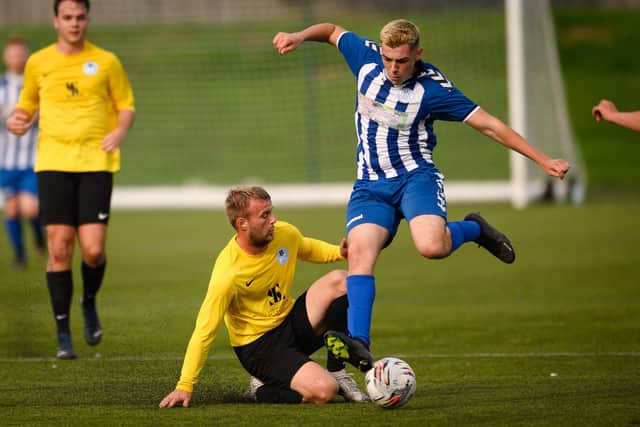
(390, 383)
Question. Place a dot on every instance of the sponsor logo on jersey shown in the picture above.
(383, 114)
(72, 87)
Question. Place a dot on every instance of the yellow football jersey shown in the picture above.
(79, 97)
(252, 293)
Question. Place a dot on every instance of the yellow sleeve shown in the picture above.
(29, 99)
(120, 88)
(318, 251)
(215, 305)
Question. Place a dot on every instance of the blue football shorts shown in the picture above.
(385, 202)
(16, 181)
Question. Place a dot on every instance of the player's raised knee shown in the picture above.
(433, 249)
(338, 280)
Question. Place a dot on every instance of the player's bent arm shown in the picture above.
(115, 138)
(126, 119)
(320, 252)
(495, 129)
(19, 121)
(324, 32)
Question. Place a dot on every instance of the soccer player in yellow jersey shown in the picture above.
(86, 108)
(272, 333)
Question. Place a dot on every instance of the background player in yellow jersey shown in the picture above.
(272, 333)
(86, 108)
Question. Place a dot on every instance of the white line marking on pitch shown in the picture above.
(407, 356)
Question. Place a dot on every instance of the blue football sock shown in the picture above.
(361, 292)
(14, 230)
(463, 232)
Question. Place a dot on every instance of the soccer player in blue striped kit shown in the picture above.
(399, 97)
(18, 181)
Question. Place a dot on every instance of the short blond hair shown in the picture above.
(399, 32)
(238, 199)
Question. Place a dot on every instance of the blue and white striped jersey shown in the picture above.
(394, 123)
(16, 152)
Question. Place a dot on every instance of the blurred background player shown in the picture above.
(18, 181)
(607, 110)
(86, 108)
(272, 333)
(399, 97)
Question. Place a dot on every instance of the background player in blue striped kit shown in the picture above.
(399, 97)
(18, 181)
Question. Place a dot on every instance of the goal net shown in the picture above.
(218, 107)
(537, 105)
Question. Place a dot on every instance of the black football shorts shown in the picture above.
(275, 357)
(74, 198)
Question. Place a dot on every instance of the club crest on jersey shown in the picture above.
(90, 68)
(282, 256)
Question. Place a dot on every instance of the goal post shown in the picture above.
(537, 105)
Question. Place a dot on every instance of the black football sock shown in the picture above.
(274, 394)
(336, 320)
(60, 284)
(38, 233)
(92, 280)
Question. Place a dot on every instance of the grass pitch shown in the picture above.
(552, 340)
(484, 338)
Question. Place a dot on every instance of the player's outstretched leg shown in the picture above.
(349, 349)
(493, 240)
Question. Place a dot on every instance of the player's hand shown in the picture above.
(113, 140)
(19, 122)
(176, 397)
(286, 42)
(557, 168)
(344, 248)
(604, 110)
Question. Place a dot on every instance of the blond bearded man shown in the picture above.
(272, 333)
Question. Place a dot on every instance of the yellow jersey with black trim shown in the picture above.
(78, 97)
(251, 293)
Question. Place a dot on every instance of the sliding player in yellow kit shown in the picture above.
(271, 332)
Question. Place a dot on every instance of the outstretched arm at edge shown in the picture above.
(500, 132)
(607, 110)
(325, 32)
